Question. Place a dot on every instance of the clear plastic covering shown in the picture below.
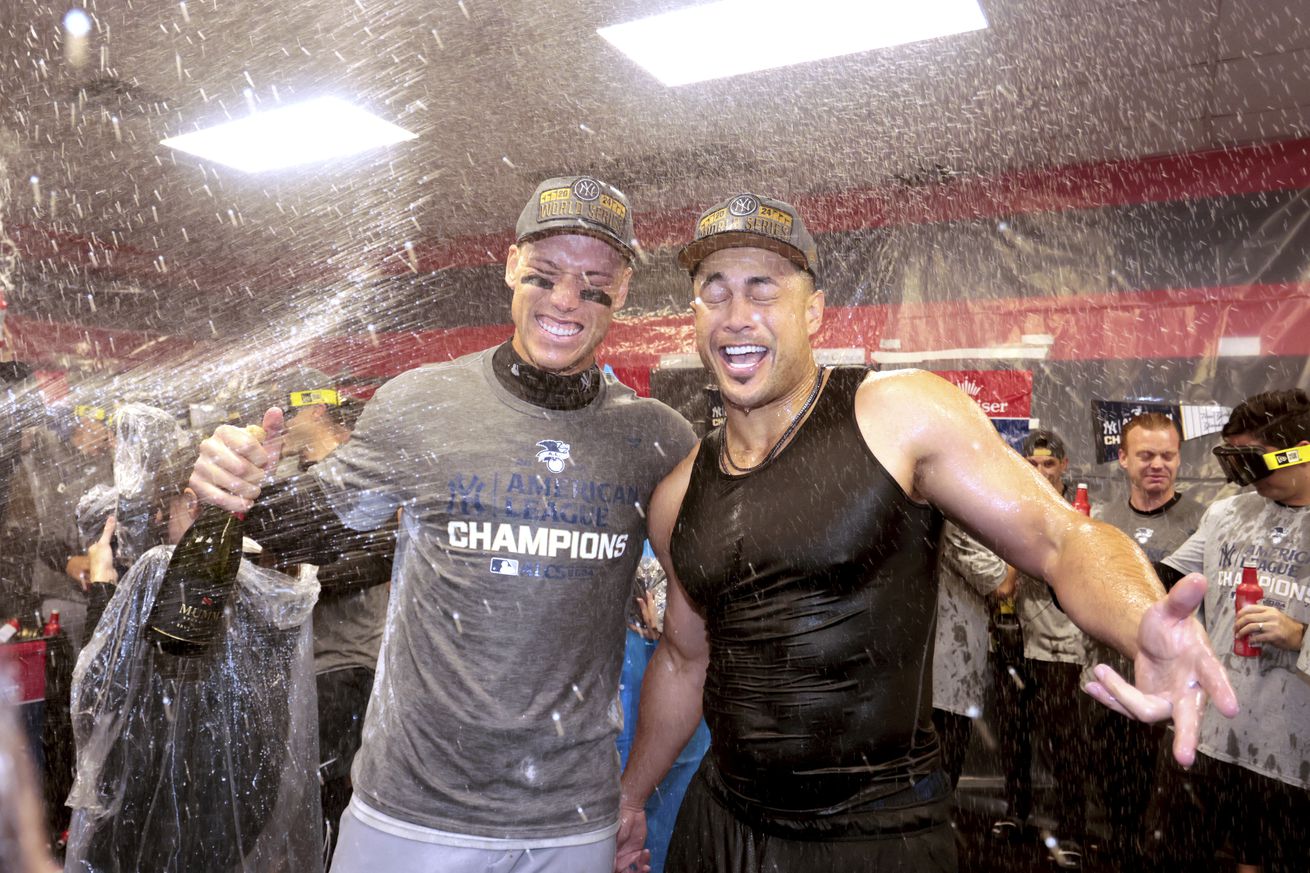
(94, 507)
(651, 585)
(146, 440)
(205, 763)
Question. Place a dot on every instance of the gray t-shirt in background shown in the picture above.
(494, 709)
(1158, 533)
(1269, 734)
(348, 629)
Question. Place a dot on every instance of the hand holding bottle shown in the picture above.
(233, 464)
(1260, 624)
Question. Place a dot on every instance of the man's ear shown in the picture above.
(814, 311)
(619, 293)
(191, 503)
(512, 264)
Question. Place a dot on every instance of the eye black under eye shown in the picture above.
(538, 280)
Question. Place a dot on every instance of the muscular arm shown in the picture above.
(946, 452)
(940, 447)
(671, 691)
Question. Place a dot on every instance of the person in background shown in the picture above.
(967, 575)
(1159, 518)
(47, 485)
(351, 612)
(1250, 787)
(198, 762)
(43, 544)
(1034, 696)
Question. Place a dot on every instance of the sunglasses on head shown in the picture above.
(1244, 465)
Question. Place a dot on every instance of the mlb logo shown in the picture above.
(504, 566)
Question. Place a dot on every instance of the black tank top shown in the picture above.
(815, 575)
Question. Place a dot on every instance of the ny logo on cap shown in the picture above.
(743, 205)
(586, 189)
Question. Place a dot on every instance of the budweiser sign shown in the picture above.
(1000, 393)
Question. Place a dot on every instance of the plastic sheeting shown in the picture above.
(146, 439)
(196, 764)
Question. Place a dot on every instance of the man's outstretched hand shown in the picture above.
(1176, 670)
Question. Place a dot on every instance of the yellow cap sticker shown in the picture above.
(315, 397)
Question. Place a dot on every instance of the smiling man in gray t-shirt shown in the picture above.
(521, 476)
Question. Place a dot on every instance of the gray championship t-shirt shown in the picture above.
(1158, 533)
(494, 712)
(1270, 734)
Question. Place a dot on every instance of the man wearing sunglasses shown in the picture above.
(1252, 776)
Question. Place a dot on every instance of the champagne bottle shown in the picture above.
(187, 618)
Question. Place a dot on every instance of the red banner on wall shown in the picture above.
(1000, 393)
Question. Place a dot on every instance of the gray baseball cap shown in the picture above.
(1044, 443)
(579, 204)
(749, 220)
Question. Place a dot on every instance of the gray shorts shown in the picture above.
(362, 848)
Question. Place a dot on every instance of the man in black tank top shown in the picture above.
(800, 540)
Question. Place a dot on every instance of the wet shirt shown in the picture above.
(966, 574)
(814, 573)
(1159, 532)
(1271, 734)
(494, 708)
(348, 629)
